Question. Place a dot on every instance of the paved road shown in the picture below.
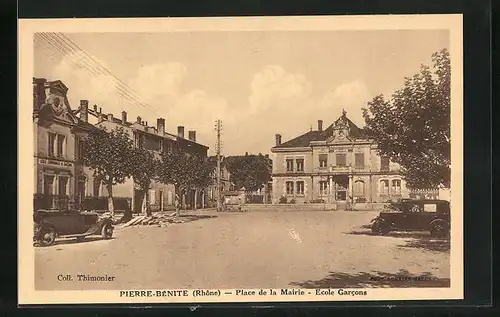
(249, 250)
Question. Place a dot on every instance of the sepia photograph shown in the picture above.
(240, 159)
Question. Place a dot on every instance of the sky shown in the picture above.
(258, 83)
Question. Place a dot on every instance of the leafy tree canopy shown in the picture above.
(185, 170)
(249, 171)
(107, 153)
(413, 127)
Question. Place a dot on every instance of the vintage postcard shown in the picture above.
(248, 159)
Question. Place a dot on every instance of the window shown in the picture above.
(63, 186)
(300, 188)
(140, 141)
(359, 189)
(323, 187)
(81, 149)
(430, 207)
(340, 159)
(168, 147)
(384, 163)
(57, 145)
(323, 160)
(384, 187)
(359, 160)
(289, 188)
(52, 141)
(289, 165)
(160, 145)
(300, 165)
(61, 145)
(48, 184)
(97, 187)
(396, 186)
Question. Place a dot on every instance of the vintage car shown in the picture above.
(414, 215)
(49, 224)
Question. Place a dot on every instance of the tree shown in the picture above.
(249, 171)
(108, 155)
(201, 173)
(144, 168)
(174, 168)
(413, 127)
(186, 171)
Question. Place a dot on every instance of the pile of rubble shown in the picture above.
(159, 220)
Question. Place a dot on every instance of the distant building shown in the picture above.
(338, 164)
(155, 139)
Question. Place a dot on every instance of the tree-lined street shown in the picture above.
(249, 250)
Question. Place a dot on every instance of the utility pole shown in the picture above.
(218, 128)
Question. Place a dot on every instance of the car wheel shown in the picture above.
(107, 231)
(439, 229)
(380, 227)
(47, 236)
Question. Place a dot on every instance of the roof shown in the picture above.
(305, 139)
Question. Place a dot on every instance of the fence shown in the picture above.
(64, 202)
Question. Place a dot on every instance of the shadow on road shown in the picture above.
(375, 279)
(418, 239)
(195, 217)
(66, 241)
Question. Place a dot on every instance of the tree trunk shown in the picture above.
(142, 196)
(203, 199)
(111, 206)
(195, 198)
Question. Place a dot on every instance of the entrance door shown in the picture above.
(48, 191)
(341, 185)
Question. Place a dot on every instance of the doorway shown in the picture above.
(341, 185)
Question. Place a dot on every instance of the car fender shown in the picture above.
(42, 226)
(105, 221)
(438, 220)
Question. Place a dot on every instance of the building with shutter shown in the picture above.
(60, 177)
(160, 197)
(334, 165)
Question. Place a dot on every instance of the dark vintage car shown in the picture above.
(49, 224)
(414, 215)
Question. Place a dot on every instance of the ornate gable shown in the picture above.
(56, 103)
(341, 130)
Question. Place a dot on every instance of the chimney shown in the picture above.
(84, 110)
(95, 108)
(278, 139)
(320, 125)
(124, 117)
(180, 131)
(110, 117)
(38, 92)
(192, 136)
(160, 126)
(139, 120)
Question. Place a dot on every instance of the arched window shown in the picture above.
(384, 187)
(359, 188)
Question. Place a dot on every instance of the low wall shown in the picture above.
(311, 207)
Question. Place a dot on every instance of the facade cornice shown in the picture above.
(291, 149)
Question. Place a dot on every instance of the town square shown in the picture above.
(242, 160)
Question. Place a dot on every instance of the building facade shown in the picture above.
(337, 165)
(60, 177)
(160, 197)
